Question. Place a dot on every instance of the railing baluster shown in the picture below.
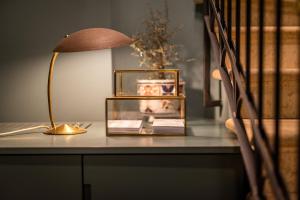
(298, 144)
(298, 108)
(261, 63)
(277, 96)
(229, 22)
(222, 8)
(217, 5)
(237, 48)
(260, 106)
(277, 85)
(237, 27)
(248, 47)
(222, 11)
(207, 58)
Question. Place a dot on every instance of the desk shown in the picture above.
(206, 164)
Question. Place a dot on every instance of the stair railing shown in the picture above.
(261, 159)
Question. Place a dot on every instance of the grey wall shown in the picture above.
(30, 29)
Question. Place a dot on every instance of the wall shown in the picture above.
(30, 29)
(127, 16)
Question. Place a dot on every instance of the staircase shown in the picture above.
(290, 47)
(289, 82)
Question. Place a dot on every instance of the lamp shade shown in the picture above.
(92, 39)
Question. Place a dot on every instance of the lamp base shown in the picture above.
(65, 129)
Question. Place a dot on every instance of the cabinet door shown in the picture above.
(40, 177)
(164, 177)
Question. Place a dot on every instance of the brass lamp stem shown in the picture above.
(63, 129)
(50, 77)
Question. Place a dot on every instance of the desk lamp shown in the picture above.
(83, 40)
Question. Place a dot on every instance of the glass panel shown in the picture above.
(147, 83)
(145, 116)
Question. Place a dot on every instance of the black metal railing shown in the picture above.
(261, 155)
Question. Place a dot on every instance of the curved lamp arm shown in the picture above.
(50, 77)
(63, 129)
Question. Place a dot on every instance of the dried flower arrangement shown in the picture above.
(154, 46)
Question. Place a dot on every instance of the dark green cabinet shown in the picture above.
(128, 176)
(47, 177)
(163, 177)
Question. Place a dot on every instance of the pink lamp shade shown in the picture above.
(92, 39)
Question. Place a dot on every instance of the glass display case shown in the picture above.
(141, 82)
(146, 102)
(142, 115)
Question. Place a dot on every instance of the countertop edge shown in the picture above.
(117, 150)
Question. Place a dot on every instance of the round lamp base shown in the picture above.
(66, 129)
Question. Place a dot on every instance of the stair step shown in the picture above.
(289, 92)
(292, 72)
(288, 128)
(290, 65)
(289, 46)
(288, 88)
(289, 10)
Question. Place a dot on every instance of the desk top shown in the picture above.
(203, 136)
